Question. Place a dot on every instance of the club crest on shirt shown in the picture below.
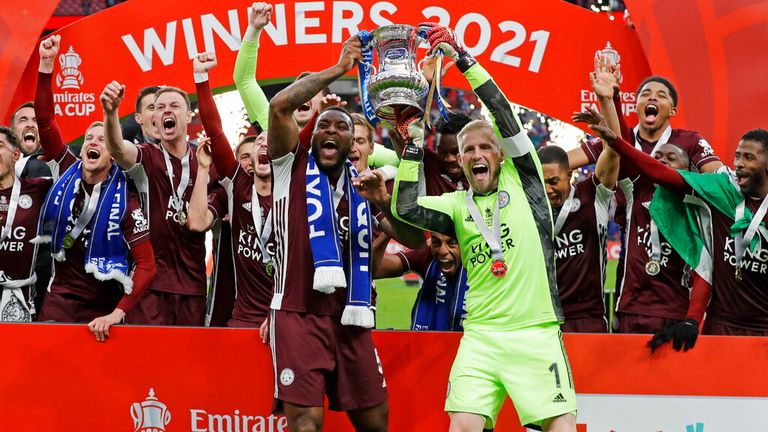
(503, 199)
(247, 206)
(286, 377)
(3, 203)
(575, 205)
(25, 201)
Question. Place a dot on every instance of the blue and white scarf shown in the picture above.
(326, 245)
(106, 255)
(429, 312)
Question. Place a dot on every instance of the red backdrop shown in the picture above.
(21, 22)
(539, 55)
(714, 51)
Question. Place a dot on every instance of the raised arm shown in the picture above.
(654, 170)
(428, 212)
(125, 153)
(50, 135)
(283, 132)
(221, 150)
(371, 186)
(199, 217)
(254, 99)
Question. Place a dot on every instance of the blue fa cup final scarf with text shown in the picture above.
(326, 246)
(440, 303)
(106, 255)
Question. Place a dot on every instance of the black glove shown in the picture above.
(683, 335)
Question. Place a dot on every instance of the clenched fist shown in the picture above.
(204, 62)
(112, 96)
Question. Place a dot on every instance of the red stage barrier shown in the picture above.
(539, 55)
(57, 377)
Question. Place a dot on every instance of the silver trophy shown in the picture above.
(397, 86)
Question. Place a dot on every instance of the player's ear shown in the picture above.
(673, 111)
(137, 117)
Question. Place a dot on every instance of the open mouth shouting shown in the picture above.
(742, 179)
(329, 148)
(169, 124)
(480, 171)
(651, 112)
(304, 108)
(446, 264)
(29, 136)
(92, 154)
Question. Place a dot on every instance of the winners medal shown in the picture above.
(652, 267)
(737, 274)
(499, 269)
(182, 217)
(67, 241)
(270, 267)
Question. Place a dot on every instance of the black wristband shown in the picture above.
(465, 62)
(413, 152)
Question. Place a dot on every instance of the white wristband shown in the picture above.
(389, 172)
(251, 34)
(201, 77)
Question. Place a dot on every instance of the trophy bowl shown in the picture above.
(397, 85)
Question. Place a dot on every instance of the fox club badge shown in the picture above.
(503, 199)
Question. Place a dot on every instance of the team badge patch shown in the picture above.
(503, 199)
(576, 205)
(25, 201)
(286, 377)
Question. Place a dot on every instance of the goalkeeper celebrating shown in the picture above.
(512, 343)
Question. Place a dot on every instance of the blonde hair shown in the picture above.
(478, 125)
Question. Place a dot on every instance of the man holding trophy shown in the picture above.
(321, 311)
(512, 343)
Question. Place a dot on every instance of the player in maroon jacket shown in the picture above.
(654, 286)
(76, 295)
(304, 319)
(164, 175)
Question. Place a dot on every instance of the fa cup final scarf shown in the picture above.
(326, 246)
(106, 255)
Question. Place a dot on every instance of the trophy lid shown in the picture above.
(394, 31)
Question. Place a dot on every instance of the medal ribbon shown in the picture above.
(178, 192)
(89, 208)
(12, 206)
(745, 238)
(655, 243)
(262, 233)
(565, 210)
(492, 238)
(663, 140)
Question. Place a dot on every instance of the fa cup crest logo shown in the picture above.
(613, 58)
(70, 76)
(150, 415)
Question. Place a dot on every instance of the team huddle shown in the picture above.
(509, 250)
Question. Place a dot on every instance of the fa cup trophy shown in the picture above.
(397, 86)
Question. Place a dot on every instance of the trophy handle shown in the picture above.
(138, 415)
(421, 62)
(369, 66)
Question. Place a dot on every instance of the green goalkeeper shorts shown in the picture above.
(529, 365)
